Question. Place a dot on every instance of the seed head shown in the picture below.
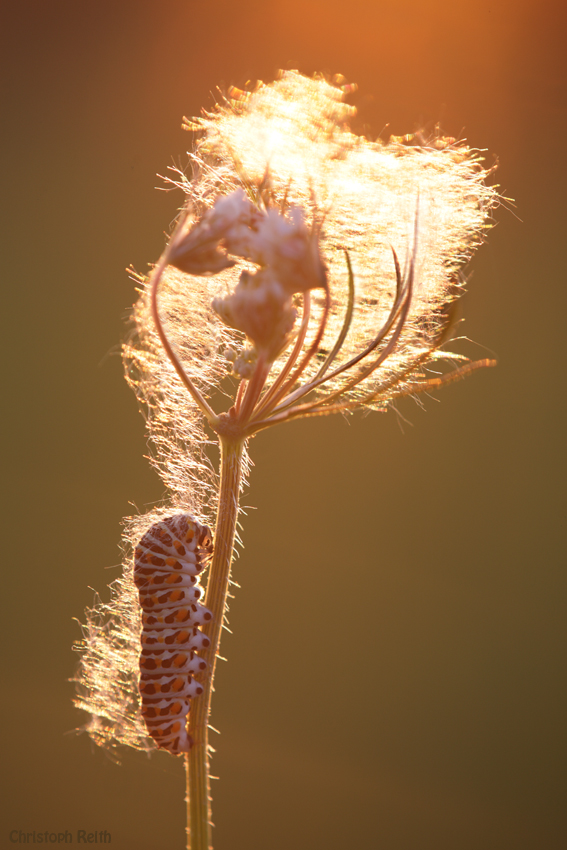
(340, 257)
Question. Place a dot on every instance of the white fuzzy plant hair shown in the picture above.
(311, 271)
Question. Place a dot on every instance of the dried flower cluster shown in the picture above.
(315, 269)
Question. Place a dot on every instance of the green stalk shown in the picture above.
(199, 826)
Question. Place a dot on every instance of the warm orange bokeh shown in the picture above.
(395, 676)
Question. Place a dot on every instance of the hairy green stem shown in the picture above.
(199, 826)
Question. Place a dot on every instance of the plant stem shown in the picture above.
(199, 826)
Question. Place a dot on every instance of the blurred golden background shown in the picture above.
(396, 672)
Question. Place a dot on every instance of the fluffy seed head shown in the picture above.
(309, 257)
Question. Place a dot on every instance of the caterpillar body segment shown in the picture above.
(179, 662)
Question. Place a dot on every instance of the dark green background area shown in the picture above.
(396, 669)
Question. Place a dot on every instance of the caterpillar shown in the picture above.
(167, 563)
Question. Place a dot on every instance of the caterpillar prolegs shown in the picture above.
(167, 563)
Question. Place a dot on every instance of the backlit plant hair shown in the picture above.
(312, 271)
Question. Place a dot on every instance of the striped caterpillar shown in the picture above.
(167, 563)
